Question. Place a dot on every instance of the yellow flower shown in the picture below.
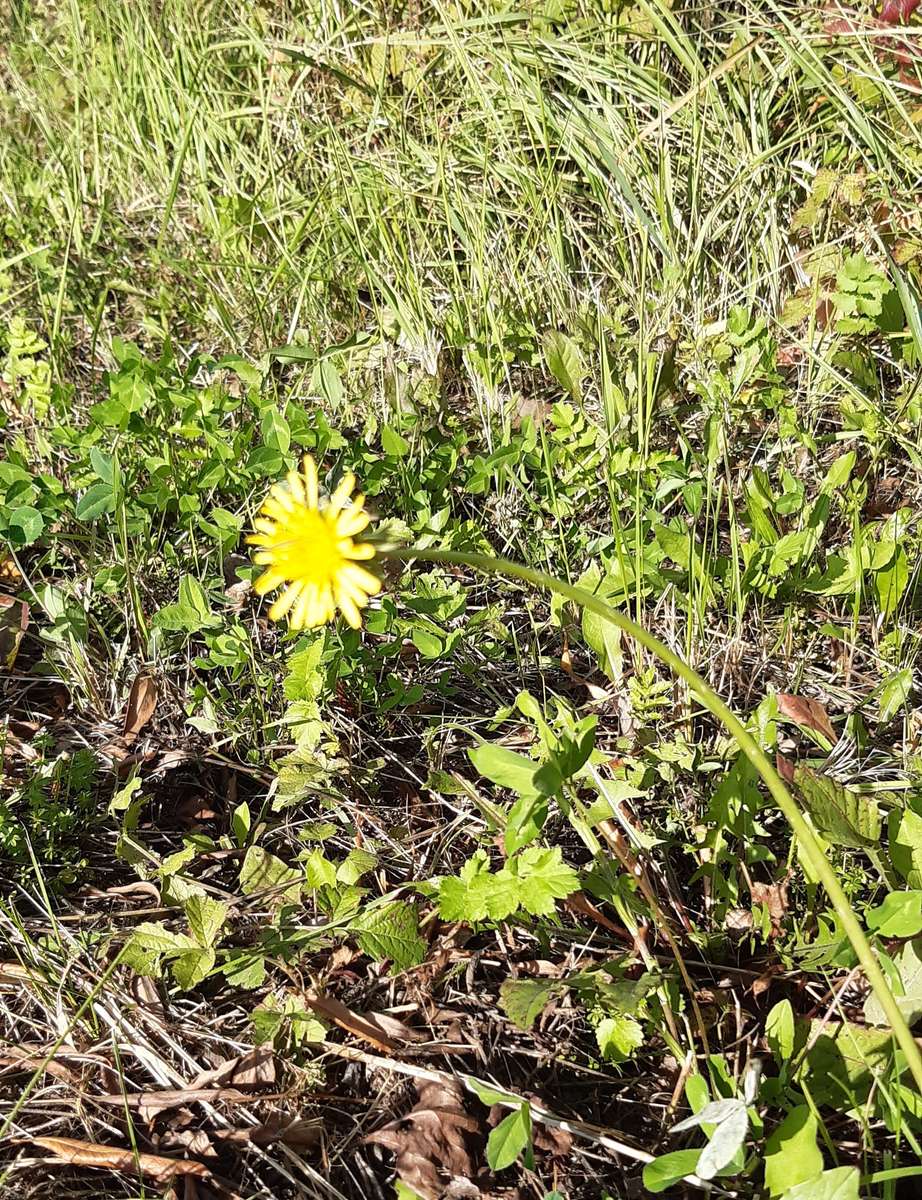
(308, 544)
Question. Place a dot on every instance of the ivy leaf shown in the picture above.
(524, 1000)
(543, 878)
(391, 932)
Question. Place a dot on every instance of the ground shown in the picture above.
(481, 898)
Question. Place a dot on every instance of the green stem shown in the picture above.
(810, 847)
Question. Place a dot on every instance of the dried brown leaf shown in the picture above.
(142, 702)
(433, 1143)
(806, 712)
(112, 1158)
(14, 621)
(255, 1069)
(774, 897)
(379, 1030)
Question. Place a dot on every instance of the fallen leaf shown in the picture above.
(381, 1031)
(18, 1058)
(806, 712)
(897, 12)
(14, 621)
(149, 1104)
(774, 897)
(255, 1069)
(433, 1143)
(112, 1158)
(142, 701)
(297, 1135)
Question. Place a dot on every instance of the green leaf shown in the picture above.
(262, 871)
(357, 863)
(27, 523)
(241, 822)
(899, 916)
(564, 362)
(843, 817)
(843, 1062)
(838, 1183)
(96, 500)
(524, 823)
(543, 877)
(206, 919)
(394, 444)
(909, 965)
(894, 693)
(906, 845)
(191, 967)
(669, 1169)
(429, 644)
(791, 1153)
(779, 1031)
(524, 1000)
(103, 464)
(890, 583)
(505, 768)
(392, 932)
(477, 894)
(618, 1037)
(510, 1137)
(275, 431)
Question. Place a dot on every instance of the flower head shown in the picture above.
(308, 544)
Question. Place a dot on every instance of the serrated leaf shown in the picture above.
(669, 1169)
(843, 817)
(206, 919)
(357, 863)
(524, 1000)
(791, 1153)
(191, 967)
(510, 1137)
(543, 878)
(262, 872)
(618, 1037)
(564, 362)
(392, 932)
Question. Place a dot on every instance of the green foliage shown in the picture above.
(530, 881)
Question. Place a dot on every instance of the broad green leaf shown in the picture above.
(524, 1000)
(103, 464)
(669, 1169)
(505, 767)
(779, 1031)
(96, 500)
(429, 644)
(394, 444)
(791, 1153)
(543, 878)
(191, 967)
(843, 1062)
(843, 817)
(564, 362)
(392, 932)
(906, 845)
(524, 823)
(510, 1137)
(241, 822)
(900, 915)
(618, 1037)
(357, 863)
(263, 872)
(890, 583)
(909, 965)
(275, 431)
(192, 596)
(206, 919)
(838, 1183)
(26, 523)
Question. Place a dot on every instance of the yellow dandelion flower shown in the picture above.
(307, 543)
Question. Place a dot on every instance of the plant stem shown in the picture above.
(810, 847)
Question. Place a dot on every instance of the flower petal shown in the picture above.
(343, 492)
(286, 600)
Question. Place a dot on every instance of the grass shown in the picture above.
(626, 293)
